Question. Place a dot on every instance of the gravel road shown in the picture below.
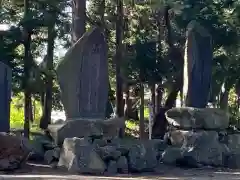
(41, 172)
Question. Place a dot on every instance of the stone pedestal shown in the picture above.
(85, 128)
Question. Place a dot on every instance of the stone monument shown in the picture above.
(5, 96)
(197, 66)
(83, 80)
(83, 77)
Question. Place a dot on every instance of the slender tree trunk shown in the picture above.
(224, 95)
(46, 118)
(159, 91)
(31, 109)
(153, 96)
(159, 97)
(119, 49)
(127, 109)
(27, 64)
(142, 125)
(224, 101)
(79, 19)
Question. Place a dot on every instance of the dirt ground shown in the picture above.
(43, 172)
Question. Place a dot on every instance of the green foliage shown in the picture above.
(145, 22)
(17, 112)
(233, 108)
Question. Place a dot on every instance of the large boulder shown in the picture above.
(40, 144)
(80, 157)
(14, 151)
(196, 147)
(52, 155)
(109, 153)
(177, 137)
(85, 128)
(196, 118)
(171, 155)
(205, 148)
(143, 156)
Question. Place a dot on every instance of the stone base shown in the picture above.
(195, 118)
(85, 128)
(78, 155)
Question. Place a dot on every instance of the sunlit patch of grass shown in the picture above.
(130, 124)
(146, 113)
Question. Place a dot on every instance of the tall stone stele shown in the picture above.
(83, 80)
(5, 96)
(197, 66)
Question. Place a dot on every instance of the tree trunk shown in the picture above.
(128, 104)
(119, 49)
(159, 90)
(31, 109)
(160, 122)
(27, 66)
(78, 19)
(101, 12)
(142, 125)
(224, 101)
(224, 95)
(46, 118)
(153, 97)
(159, 96)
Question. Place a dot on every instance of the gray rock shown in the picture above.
(122, 165)
(177, 137)
(85, 128)
(112, 126)
(142, 157)
(37, 153)
(171, 155)
(52, 155)
(234, 143)
(100, 142)
(207, 118)
(109, 153)
(81, 158)
(205, 148)
(112, 167)
(14, 151)
(45, 141)
(233, 161)
(194, 148)
(75, 128)
(123, 145)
